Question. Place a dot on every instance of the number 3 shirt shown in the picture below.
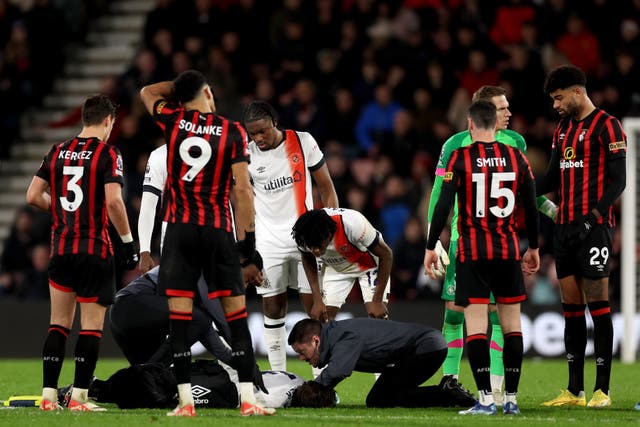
(201, 147)
(77, 171)
(489, 177)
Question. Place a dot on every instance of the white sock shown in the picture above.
(496, 382)
(247, 394)
(485, 399)
(275, 338)
(50, 394)
(184, 395)
(511, 397)
(80, 395)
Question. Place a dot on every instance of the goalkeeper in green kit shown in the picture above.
(454, 314)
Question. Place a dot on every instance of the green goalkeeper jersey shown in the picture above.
(462, 139)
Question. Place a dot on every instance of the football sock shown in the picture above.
(513, 351)
(241, 346)
(453, 333)
(603, 343)
(87, 349)
(185, 396)
(53, 355)
(478, 351)
(575, 343)
(178, 336)
(495, 351)
(276, 340)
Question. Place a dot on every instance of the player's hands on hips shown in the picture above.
(130, 258)
(531, 261)
(146, 262)
(377, 310)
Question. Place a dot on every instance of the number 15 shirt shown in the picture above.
(490, 179)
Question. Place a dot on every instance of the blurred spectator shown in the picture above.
(508, 21)
(408, 254)
(35, 285)
(579, 45)
(303, 112)
(342, 117)
(394, 211)
(375, 124)
(16, 256)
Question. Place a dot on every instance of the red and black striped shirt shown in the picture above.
(489, 179)
(201, 148)
(582, 150)
(77, 171)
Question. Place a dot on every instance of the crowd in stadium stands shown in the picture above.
(379, 84)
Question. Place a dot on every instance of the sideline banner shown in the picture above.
(25, 325)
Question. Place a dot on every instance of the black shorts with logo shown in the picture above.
(589, 258)
(475, 280)
(91, 277)
(190, 250)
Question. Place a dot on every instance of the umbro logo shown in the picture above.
(261, 169)
(199, 391)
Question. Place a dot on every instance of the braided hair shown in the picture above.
(259, 110)
(313, 228)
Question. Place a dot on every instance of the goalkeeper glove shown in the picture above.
(443, 261)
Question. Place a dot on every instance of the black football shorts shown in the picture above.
(189, 250)
(590, 258)
(91, 277)
(475, 280)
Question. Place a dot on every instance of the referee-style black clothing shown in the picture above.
(405, 355)
(140, 322)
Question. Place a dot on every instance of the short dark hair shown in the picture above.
(259, 110)
(96, 108)
(304, 330)
(487, 92)
(187, 85)
(563, 77)
(312, 228)
(312, 394)
(483, 114)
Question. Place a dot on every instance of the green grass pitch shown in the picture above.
(541, 380)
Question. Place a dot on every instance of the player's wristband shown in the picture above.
(255, 259)
(126, 238)
(247, 246)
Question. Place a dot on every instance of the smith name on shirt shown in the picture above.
(199, 129)
(491, 162)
